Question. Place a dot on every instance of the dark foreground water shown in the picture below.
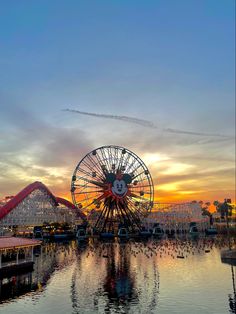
(132, 277)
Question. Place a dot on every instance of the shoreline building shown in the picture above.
(177, 216)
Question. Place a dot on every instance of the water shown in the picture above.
(132, 277)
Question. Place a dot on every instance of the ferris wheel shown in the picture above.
(113, 187)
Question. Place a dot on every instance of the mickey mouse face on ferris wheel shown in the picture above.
(119, 188)
(119, 183)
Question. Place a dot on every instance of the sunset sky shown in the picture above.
(168, 62)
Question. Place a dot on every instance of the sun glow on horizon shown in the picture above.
(152, 158)
(177, 168)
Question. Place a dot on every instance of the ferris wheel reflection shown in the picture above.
(122, 282)
(119, 284)
(115, 282)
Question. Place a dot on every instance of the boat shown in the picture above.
(38, 232)
(123, 233)
(38, 235)
(211, 231)
(194, 230)
(158, 232)
(81, 235)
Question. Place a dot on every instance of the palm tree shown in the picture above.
(205, 211)
(216, 204)
(225, 209)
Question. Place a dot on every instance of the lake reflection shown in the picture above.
(162, 276)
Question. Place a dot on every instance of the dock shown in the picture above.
(16, 255)
(229, 256)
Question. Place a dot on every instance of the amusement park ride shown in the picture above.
(112, 192)
(114, 188)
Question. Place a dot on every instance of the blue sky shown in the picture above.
(170, 62)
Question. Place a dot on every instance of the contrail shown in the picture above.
(145, 123)
(176, 131)
(122, 118)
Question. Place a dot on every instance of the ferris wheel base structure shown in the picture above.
(114, 188)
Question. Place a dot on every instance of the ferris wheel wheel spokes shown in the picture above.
(113, 186)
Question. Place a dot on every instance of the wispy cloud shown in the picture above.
(33, 149)
(146, 123)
